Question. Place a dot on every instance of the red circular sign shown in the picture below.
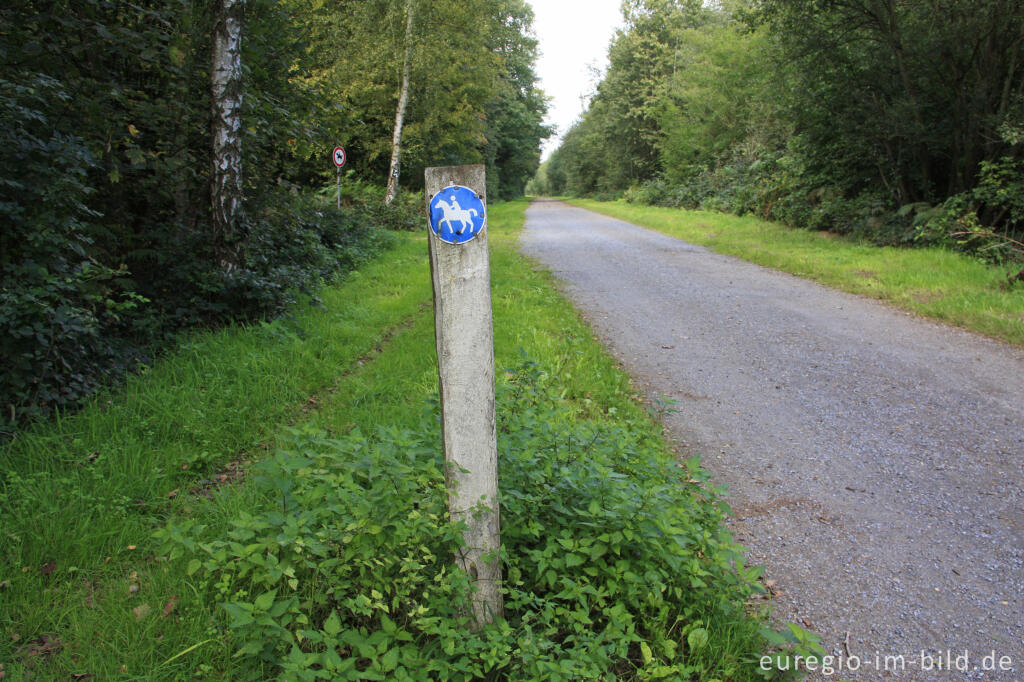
(339, 156)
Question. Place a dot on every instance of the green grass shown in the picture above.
(931, 282)
(81, 496)
(84, 584)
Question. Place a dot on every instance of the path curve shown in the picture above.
(874, 460)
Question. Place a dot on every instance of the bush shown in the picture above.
(295, 245)
(615, 560)
(987, 221)
(58, 299)
(405, 213)
(69, 324)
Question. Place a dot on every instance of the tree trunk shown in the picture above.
(886, 16)
(403, 101)
(226, 89)
(1011, 72)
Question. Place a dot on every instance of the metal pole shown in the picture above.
(339, 188)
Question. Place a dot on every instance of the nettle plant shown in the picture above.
(615, 560)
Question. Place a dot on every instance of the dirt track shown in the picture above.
(875, 461)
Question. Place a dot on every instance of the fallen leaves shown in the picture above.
(233, 473)
(44, 647)
(170, 606)
(771, 591)
(143, 610)
(48, 568)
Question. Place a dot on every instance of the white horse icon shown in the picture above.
(453, 213)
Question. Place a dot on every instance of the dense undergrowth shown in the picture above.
(615, 559)
(68, 326)
(770, 189)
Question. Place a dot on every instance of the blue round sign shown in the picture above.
(456, 214)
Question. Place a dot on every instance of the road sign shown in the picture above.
(457, 214)
(339, 156)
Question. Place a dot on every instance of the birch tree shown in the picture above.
(226, 89)
(403, 101)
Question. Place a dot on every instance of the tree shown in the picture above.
(226, 101)
(713, 102)
(916, 91)
(516, 109)
(403, 100)
(617, 143)
(147, 224)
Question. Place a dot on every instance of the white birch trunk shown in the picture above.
(226, 91)
(403, 101)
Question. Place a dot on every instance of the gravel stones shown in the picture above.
(874, 460)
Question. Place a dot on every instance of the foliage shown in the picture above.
(109, 250)
(71, 490)
(857, 117)
(614, 558)
(58, 300)
(918, 101)
(78, 522)
(958, 221)
(473, 95)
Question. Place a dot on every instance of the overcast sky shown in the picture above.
(574, 36)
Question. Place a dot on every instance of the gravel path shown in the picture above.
(873, 459)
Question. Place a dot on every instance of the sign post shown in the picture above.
(463, 327)
(339, 161)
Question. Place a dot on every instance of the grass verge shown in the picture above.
(267, 503)
(931, 282)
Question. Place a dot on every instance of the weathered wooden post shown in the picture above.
(460, 268)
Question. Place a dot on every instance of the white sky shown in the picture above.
(574, 37)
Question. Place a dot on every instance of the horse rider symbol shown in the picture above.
(453, 213)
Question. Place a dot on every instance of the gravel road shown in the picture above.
(873, 459)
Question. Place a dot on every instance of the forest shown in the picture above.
(167, 165)
(896, 121)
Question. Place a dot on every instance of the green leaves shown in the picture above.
(821, 115)
(613, 559)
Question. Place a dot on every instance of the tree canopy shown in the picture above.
(110, 243)
(897, 119)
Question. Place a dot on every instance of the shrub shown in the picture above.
(295, 244)
(615, 560)
(58, 299)
(1000, 195)
(405, 213)
(987, 221)
(69, 324)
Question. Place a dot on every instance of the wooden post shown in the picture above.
(465, 357)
